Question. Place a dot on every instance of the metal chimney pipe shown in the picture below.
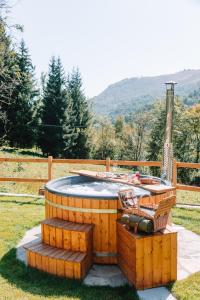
(167, 163)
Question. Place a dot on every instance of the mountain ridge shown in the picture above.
(135, 93)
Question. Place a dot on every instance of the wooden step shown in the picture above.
(56, 261)
(67, 235)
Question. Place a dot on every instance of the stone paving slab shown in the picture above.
(160, 293)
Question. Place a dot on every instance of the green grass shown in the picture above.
(18, 282)
(189, 218)
(187, 289)
(188, 197)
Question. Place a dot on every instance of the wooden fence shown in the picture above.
(107, 163)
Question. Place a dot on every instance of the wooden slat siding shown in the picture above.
(65, 202)
(31, 257)
(77, 265)
(87, 217)
(59, 210)
(60, 265)
(79, 215)
(173, 256)
(71, 202)
(46, 237)
(66, 239)
(140, 264)
(96, 229)
(112, 233)
(54, 209)
(52, 236)
(75, 245)
(69, 268)
(104, 231)
(148, 262)
(49, 206)
(166, 258)
(83, 241)
(59, 237)
(157, 260)
(69, 265)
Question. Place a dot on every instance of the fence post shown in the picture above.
(50, 159)
(108, 164)
(174, 173)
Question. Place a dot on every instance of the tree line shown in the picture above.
(55, 116)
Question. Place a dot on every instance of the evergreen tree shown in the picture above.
(81, 117)
(55, 132)
(9, 78)
(21, 125)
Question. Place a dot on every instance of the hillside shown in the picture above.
(137, 93)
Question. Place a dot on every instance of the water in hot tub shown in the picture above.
(99, 188)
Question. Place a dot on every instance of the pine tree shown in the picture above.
(55, 129)
(9, 77)
(21, 121)
(81, 117)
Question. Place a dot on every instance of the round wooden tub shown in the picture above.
(69, 198)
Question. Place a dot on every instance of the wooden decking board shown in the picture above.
(55, 222)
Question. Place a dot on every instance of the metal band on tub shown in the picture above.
(84, 210)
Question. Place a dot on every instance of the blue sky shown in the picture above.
(110, 40)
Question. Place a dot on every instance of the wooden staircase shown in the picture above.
(64, 250)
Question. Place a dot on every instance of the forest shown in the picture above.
(54, 115)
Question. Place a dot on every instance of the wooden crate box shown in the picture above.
(147, 260)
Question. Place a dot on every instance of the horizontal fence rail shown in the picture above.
(106, 162)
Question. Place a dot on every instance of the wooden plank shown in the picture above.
(104, 229)
(75, 245)
(157, 259)
(79, 161)
(46, 236)
(188, 187)
(54, 209)
(135, 163)
(157, 189)
(52, 236)
(173, 256)
(188, 165)
(59, 210)
(148, 263)
(65, 212)
(87, 216)
(112, 233)
(97, 226)
(66, 239)
(59, 237)
(32, 160)
(139, 283)
(166, 258)
(17, 179)
(72, 216)
(79, 215)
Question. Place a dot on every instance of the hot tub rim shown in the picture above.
(52, 190)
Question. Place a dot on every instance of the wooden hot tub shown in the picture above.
(81, 199)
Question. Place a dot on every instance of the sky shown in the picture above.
(110, 40)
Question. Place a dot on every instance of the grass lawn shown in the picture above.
(21, 283)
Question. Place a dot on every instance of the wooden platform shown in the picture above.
(147, 260)
(65, 249)
(59, 262)
(67, 235)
